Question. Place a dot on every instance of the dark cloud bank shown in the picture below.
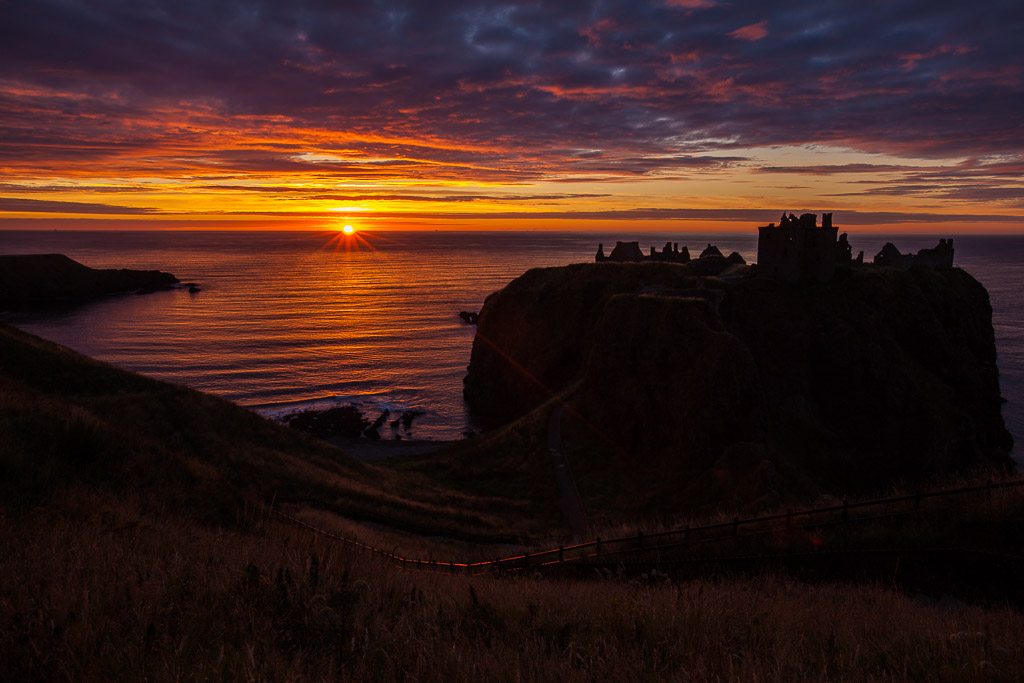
(516, 92)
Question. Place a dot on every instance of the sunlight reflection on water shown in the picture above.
(288, 320)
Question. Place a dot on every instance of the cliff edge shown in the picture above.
(879, 375)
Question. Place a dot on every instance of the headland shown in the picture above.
(45, 280)
(702, 380)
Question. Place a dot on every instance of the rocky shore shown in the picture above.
(351, 430)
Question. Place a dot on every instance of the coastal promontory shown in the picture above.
(744, 386)
(34, 280)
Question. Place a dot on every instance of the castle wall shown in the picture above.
(798, 251)
(777, 250)
(819, 254)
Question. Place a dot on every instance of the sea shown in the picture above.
(284, 322)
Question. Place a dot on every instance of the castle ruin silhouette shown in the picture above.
(797, 250)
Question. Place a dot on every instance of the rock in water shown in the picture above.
(347, 421)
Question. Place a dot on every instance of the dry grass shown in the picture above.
(511, 461)
(402, 544)
(953, 518)
(119, 595)
(134, 546)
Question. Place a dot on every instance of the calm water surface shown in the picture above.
(287, 321)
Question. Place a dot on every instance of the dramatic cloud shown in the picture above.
(45, 206)
(102, 94)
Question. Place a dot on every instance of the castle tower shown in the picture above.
(797, 250)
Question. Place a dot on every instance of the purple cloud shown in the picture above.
(50, 206)
(524, 91)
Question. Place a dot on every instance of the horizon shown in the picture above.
(625, 230)
(673, 116)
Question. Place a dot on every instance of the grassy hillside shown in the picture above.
(123, 594)
(132, 547)
(65, 418)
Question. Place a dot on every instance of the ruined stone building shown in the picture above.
(798, 250)
(671, 252)
(623, 251)
(940, 256)
(630, 251)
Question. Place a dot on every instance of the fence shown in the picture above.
(598, 549)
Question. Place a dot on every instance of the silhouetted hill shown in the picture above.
(71, 423)
(758, 391)
(48, 279)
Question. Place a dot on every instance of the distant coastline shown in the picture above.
(284, 322)
(44, 280)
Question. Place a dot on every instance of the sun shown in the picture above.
(347, 237)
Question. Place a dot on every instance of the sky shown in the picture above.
(898, 116)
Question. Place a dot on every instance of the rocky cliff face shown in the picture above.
(533, 335)
(878, 375)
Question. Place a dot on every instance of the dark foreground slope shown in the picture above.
(50, 279)
(108, 571)
(879, 376)
(70, 423)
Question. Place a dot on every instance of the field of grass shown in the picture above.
(135, 544)
(124, 595)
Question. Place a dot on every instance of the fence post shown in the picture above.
(561, 552)
(735, 526)
(526, 560)
(599, 547)
(789, 518)
(686, 535)
(451, 566)
(640, 539)
(846, 510)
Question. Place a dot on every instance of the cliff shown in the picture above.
(48, 279)
(533, 335)
(879, 375)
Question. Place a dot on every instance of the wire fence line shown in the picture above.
(673, 539)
